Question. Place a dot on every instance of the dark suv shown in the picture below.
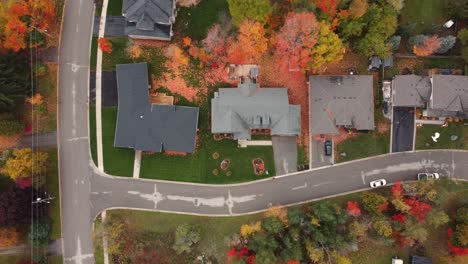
(328, 147)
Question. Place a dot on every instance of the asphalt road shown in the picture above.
(74, 164)
(85, 191)
(403, 129)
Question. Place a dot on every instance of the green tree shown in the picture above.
(457, 8)
(303, 6)
(462, 215)
(9, 124)
(291, 247)
(415, 232)
(39, 233)
(382, 23)
(186, 237)
(263, 242)
(14, 81)
(296, 216)
(437, 218)
(22, 161)
(257, 10)
(265, 256)
(326, 221)
(395, 42)
(460, 236)
(329, 49)
(446, 43)
(374, 203)
(272, 225)
(463, 36)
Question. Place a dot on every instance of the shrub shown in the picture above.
(446, 43)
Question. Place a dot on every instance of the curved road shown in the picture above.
(85, 191)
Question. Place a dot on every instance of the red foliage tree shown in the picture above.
(428, 46)
(397, 190)
(399, 218)
(297, 38)
(353, 208)
(293, 262)
(399, 239)
(329, 7)
(457, 251)
(418, 209)
(105, 45)
(24, 182)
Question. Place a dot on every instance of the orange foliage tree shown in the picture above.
(428, 46)
(105, 45)
(329, 7)
(8, 237)
(25, 16)
(296, 39)
(251, 43)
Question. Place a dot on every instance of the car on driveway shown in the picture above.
(378, 183)
(426, 176)
(328, 147)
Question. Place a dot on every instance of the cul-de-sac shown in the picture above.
(234, 131)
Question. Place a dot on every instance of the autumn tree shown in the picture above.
(428, 46)
(328, 7)
(457, 8)
(251, 43)
(186, 237)
(247, 230)
(358, 8)
(297, 38)
(374, 203)
(382, 227)
(257, 10)
(15, 83)
(353, 209)
(105, 45)
(397, 4)
(358, 230)
(303, 6)
(437, 218)
(15, 207)
(329, 48)
(22, 161)
(188, 3)
(418, 209)
(9, 236)
(115, 230)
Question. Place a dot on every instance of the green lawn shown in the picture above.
(424, 133)
(423, 14)
(12, 259)
(114, 8)
(92, 133)
(195, 21)
(117, 161)
(362, 146)
(119, 54)
(53, 187)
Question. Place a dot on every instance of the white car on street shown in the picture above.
(427, 176)
(378, 183)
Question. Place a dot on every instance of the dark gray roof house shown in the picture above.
(341, 101)
(149, 19)
(150, 127)
(411, 90)
(449, 96)
(238, 110)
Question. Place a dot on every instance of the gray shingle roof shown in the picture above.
(238, 110)
(148, 18)
(450, 95)
(411, 90)
(150, 127)
(336, 101)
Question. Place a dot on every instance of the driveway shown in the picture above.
(109, 88)
(285, 154)
(402, 129)
(318, 158)
(115, 26)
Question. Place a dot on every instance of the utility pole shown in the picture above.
(45, 200)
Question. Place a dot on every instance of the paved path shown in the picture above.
(85, 191)
(54, 249)
(42, 140)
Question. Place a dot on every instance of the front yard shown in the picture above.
(454, 136)
(364, 145)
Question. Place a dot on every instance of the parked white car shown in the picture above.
(378, 183)
(426, 176)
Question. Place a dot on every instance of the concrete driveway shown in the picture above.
(285, 154)
(402, 129)
(318, 158)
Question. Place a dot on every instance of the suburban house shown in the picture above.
(240, 111)
(341, 101)
(441, 95)
(146, 126)
(149, 19)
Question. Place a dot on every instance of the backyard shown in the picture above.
(215, 233)
(454, 136)
(424, 15)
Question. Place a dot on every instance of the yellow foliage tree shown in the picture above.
(8, 237)
(24, 162)
(251, 41)
(329, 49)
(278, 211)
(37, 99)
(247, 230)
(383, 227)
(180, 57)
